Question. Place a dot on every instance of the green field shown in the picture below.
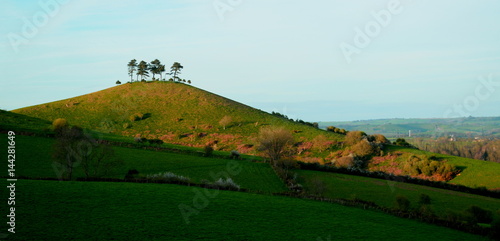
(34, 160)
(384, 192)
(52, 210)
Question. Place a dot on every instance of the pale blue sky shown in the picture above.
(281, 55)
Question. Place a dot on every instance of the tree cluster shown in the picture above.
(486, 150)
(155, 67)
(336, 130)
(421, 165)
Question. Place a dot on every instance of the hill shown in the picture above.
(460, 127)
(173, 112)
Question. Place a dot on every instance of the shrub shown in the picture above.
(345, 161)
(424, 199)
(136, 117)
(208, 150)
(225, 121)
(168, 177)
(155, 141)
(402, 203)
(363, 149)
(59, 123)
(140, 139)
(234, 155)
(402, 142)
(475, 214)
(321, 143)
(118, 82)
(227, 184)
(378, 138)
(127, 125)
(287, 164)
(132, 173)
(353, 137)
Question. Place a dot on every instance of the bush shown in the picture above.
(402, 203)
(234, 155)
(59, 123)
(378, 138)
(127, 125)
(424, 199)
(402, 142)
(475, 214)
(118, 82)
(345, 161)
(168, 177)
(227, 184)
(136, 117)
(208, 150)
(140, 139)
(132, 173)
(363, 149)
(155, 141)
(353, 137)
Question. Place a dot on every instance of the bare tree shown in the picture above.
(225, 121)
(100, 161)
(67, 150)
(74, 148)
(274, 142)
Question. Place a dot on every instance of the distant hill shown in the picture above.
(173, 112)
(459, 127)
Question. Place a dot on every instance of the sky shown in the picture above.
(322, 60)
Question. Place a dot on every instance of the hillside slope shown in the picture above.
(173, 112)
(13, 121)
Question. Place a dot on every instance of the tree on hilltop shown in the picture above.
(143, 69)
(161, 70)
(154, 67)
(132, 67)
(175, 70)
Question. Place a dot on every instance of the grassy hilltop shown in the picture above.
(173, 112)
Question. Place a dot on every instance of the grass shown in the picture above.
(176, 113)
(52, 210)
(33, 159)
(384, 192)
(474, 173)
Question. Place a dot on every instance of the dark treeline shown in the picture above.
(313, 124)
(482, 149)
